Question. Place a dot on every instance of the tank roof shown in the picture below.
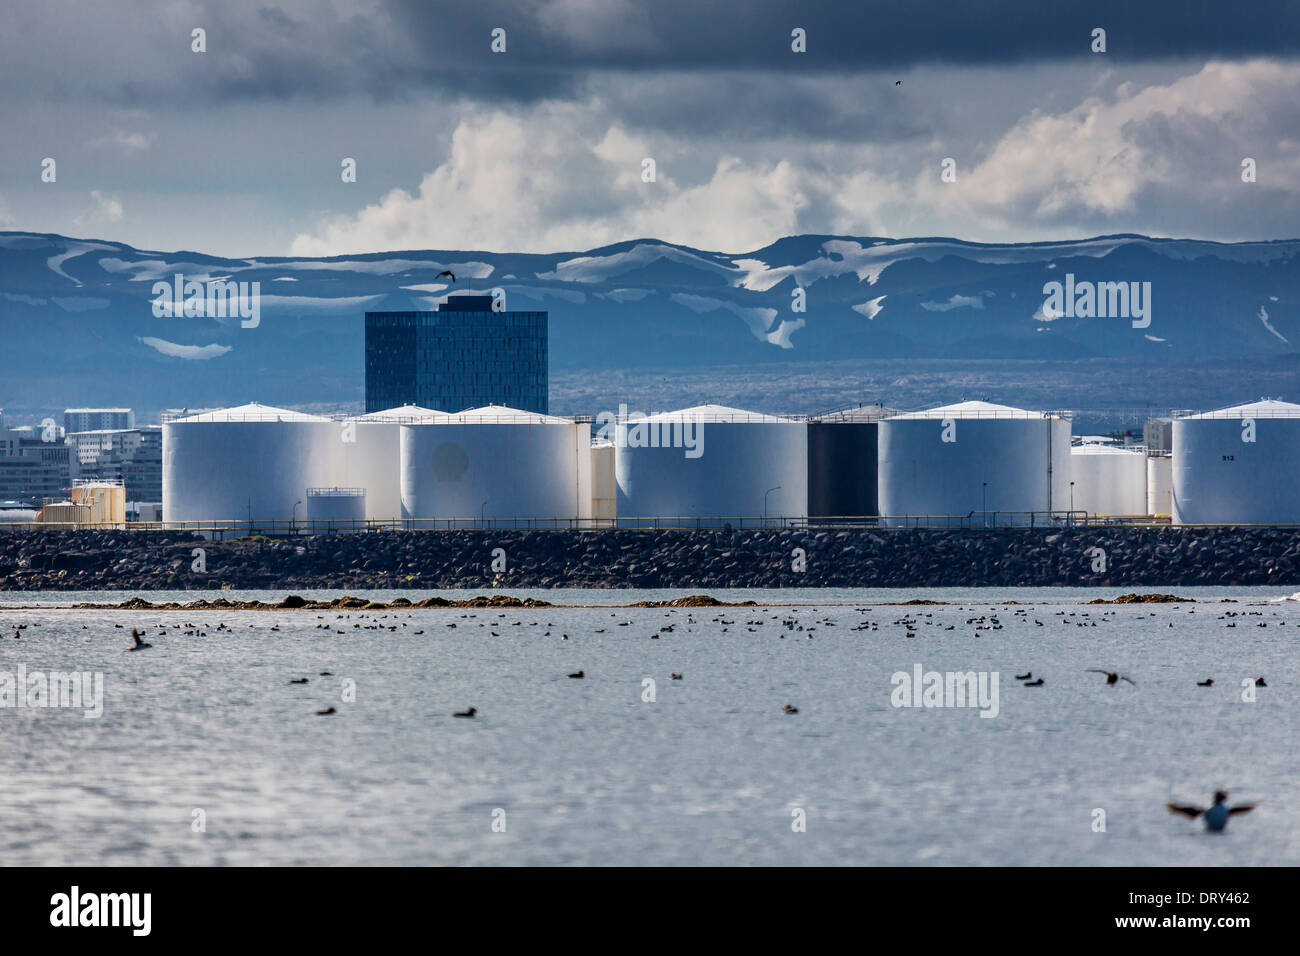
(402, 413)
(712, 413)
(973, 410)
(498, 415)
(857, 414)
(252, 412)
(1264, 408)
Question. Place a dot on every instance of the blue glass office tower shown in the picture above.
(462, 356)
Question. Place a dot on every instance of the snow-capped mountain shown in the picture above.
(82, 320)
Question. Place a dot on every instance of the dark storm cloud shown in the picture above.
(138, 54)
(689, 34)
(745, 106)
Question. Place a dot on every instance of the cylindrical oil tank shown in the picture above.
(250, 464)
(12, 513)
(497, 467)
(336, 509)
(842, 462)
(370, 447)
(973, 464)
(1160, 485)
(604, 489)
(1108, 480)
(711, 465)
(1238, 465)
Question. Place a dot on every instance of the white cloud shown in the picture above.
(1162, 146)
(535, 183)
(125, 142)
(105, 210)
(1161, 157)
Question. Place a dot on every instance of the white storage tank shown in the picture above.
(710, 465)
(604, 489)
(497, 467)
(13, 512)
(973, 463)
(1108, 480)
(1160, 485)
(336, 509)
(252, 464)
(1238, 465)
(371, 448)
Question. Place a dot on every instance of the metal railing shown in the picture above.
(1236, 413)
(970, 521)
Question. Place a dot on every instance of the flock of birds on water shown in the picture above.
(1215, 816)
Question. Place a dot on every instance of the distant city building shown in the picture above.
(96, 419)
(33, 471)
(462, 356)
(1158, 434)
(134, 455)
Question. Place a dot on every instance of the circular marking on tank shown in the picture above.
(450, 462)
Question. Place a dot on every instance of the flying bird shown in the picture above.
(139, 642)
(1216, 816)
(447, 272)
(1111, 676)
(898, 82)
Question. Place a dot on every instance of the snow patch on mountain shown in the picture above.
(604, 268)
(192, 352)
(74, 250)
(955, 302)
(759, 320)
(1263, 317)
(871, 308)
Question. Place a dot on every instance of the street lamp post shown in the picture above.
(293, 525)
(985, 505)
(1071, 504)
(765, 494)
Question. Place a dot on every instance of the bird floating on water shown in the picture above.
(578, 676)
(1208, 682)
(1034, 683)
(1216, 815)
(326, 712)
(789, 709)
(466, 713)
(1028, 676)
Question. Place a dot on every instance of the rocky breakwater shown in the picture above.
(1102, 557)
